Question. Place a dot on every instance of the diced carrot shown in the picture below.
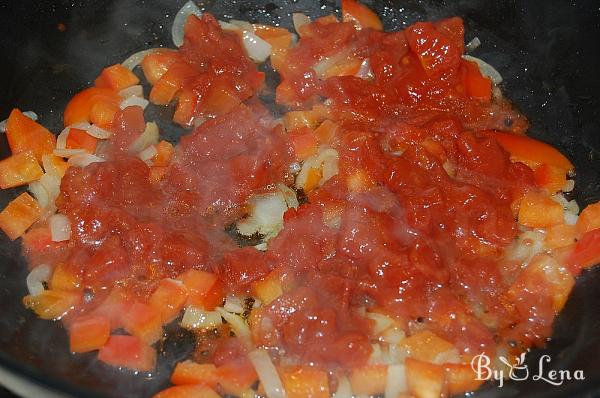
(220, 100)
(80, 107)
(304, 142)
(19, 169)
(369, 379)
(538, 210)
(165, 88)
(89, 333)
(476, 85)
(531, 151)
(129, 352)
(187, 392)
(425, 380)
(157, 174)
(427, 346)
(589, 219)
(53, 304)
(55, 165)
(24, 134)
(168, 299)
(80, 139)
(295, 120)
(19, 215)
(268, 289)
(460, 378)
(550, 177)
(236, 377)
(64, 278)
(102, 113)
(560, 235)
(305, 381)
(360, 15)
(116, 77)
(156, 64)
(144, 322)
(190, 372)
(326, 131)
(586, 252)
(164, 153)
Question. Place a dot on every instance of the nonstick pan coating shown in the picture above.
(546, 51)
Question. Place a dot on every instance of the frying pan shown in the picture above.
(546, 52)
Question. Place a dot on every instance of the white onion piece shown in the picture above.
(393, 335)
(133, 91)
(150, 136)
(36, 278)
(395, 381)
(84, 159)
(299, 21)
(486, 69)
(196, 318)
(99, 132)
(344, 389)
(382, 322)
(267, 373)
(177, 31)
(242, 25)
(234, 304)
(237, 324)
(229, 26)
(258, 49)
(61, 140)
(266, 215)
(39, 193)
(135, 59)
(147, 154)
(60, 227)
(473, 44)
(326, 160)
(289, 195)
(52, 184)
(365, 72)
(3, 126)
(570, 218)
(134, 101)
(569, 186)
(67, 153)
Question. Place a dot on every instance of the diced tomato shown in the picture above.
(128, 352)
(24, 134)
(426, 346)
(144, 322)
(369, 380)
(187, 392)
(586, 252)
(187, 102)
(305, 381)
(550, 177)
(168, 299)
(165, 88)
(80, 107)
(236, 377)
(19, 169)
(589, 219)
(220, 100)
(53, 304)
(476, 85)
(164, 153)
(64, 278)
(360, 15)
(531, 151)
(304, 142)
(435, 50)
(425, 379)
(190, 372)
(116, 77)
(198, 284)
(538, 210)
(19, 215)
(80, 139)
(157, 63)
(89, 333)
(460, 378)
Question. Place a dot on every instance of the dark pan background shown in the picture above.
(547, 52)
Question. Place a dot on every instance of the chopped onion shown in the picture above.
(134, 101)
(51, 183)
(473, 44)
(196, 318)
(229, 26)
(344, 389)
(393, 335)
(242, 25)
(147, 154)
(60, 227)
(98, 132)
(299, 21)
(36, 278)
(395, 381)
(258, 49)
(150, 136)
(326, 160)
(177, 31)
(133, 91)
(570, 218)
(67, 153)
(267, 373)
(486, 69)
(234, 304)
(450, 356)
(39, 193)
(266, 215)
(365, 72)
(135, 59)
(238, 325)
(569, 186)
(84, 159)
(289, 195)
(382, 322)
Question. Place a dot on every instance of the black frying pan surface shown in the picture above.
(546, 51)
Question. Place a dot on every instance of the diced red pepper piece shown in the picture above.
(129, 352)
(187, 392)
(53, 304)
(116, 77)
(80, 139)
(144, 322)
(79, 109)
(190, 372)
(586, 252)
(305, 381)
(19, 215)
(589, 219)
(19, 169)
(360, 15)
(304, 142)
(236, 377)
(168, 299)
(89, 333)
(538, 210)
(156, 64)
(476, 85)
(164, 153)
(24, 134)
